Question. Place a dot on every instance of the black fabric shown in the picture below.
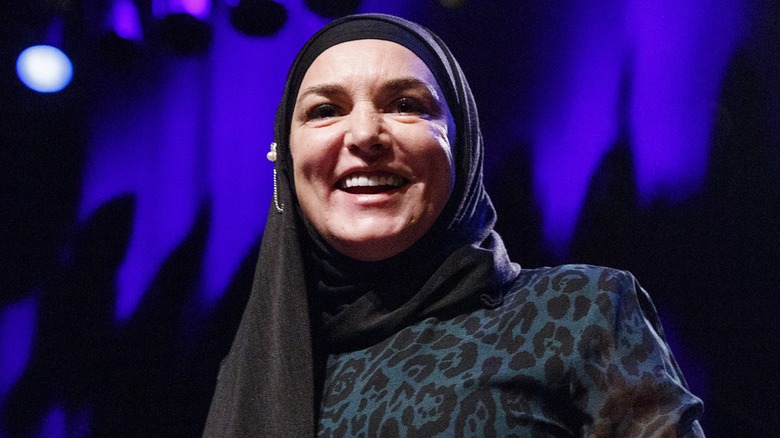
(268, 383)
(361, 306)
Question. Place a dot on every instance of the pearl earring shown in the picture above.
(271, 155)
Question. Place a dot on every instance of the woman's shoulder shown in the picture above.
(573, 280)
(574, 292)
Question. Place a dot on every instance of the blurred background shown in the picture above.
(639, 134)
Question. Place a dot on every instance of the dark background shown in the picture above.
(133, 201)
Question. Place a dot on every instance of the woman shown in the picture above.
(385, 304)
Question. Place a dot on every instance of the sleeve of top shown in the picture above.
(632, 384)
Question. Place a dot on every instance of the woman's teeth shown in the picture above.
(371, 181)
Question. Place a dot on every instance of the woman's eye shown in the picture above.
(323, 111)
(408, 105)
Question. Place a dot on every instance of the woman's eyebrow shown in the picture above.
(410, 83)
(392, 85)
(321, 90)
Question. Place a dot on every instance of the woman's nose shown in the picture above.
(366, 131)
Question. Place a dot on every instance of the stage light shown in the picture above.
(45, 69)
(258, 17)
(199, 9)
(124, 20)
(333, 8)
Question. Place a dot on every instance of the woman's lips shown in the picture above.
(370, 183)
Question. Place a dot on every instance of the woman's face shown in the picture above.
(370, 140)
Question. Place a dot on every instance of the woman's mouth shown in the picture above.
(361, 183)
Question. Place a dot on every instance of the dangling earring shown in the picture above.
(271, 155)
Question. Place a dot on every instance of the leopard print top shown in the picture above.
(573, 351)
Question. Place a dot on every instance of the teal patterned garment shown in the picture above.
(573, 351)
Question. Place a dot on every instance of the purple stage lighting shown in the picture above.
(17, 332)
(675, 54)
(199, 9)
(124, 20)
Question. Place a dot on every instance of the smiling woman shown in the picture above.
(384, 304)
(370, 147)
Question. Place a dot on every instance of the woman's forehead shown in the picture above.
(366, 59)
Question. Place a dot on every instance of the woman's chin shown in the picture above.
(372, 247)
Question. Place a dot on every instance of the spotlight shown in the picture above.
(45, 69)
(197, 8)
(333, 8)
(123, 20)
(258, 17)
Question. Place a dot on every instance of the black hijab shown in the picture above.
(308, 300)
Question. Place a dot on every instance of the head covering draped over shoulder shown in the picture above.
(308, 300)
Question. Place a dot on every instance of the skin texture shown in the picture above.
(371, 108)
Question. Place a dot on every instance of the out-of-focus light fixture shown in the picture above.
(124, 21)
(333, 8)
(182, 24)
(45, 69)
(199, 9)
(258, 17)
